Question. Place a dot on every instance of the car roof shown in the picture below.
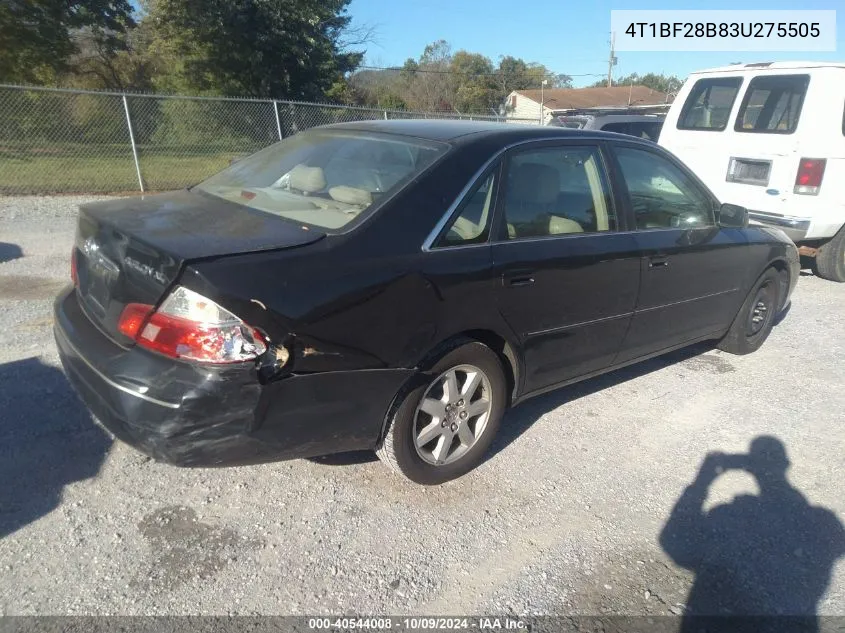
(762, 66)
(451, 131)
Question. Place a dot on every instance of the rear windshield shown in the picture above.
(772, 104)
(708, 106)
(322, 177)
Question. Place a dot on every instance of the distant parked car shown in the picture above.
(771, 137)
(644, 126)
(396, 286)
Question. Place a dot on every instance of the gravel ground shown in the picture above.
(565, 516)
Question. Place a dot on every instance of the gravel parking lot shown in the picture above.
(565, 517)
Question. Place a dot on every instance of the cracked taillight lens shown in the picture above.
(192, 327)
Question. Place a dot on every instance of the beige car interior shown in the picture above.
(311, 182)
(536, 205)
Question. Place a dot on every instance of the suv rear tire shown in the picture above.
(830, 260)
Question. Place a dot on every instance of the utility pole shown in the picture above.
(611, 62)
(542, 99)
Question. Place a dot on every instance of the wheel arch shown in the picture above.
(781, 265)
(506, 350)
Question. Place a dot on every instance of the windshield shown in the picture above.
(322, 177)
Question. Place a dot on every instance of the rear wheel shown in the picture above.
(830, 260)
(756, 317)
(443, 428)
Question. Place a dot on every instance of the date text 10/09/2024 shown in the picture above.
(418, 624)
(724, 29)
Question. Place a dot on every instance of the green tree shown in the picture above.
(37, 36)
(263, 48)
(475, 86)
(668, 84)
(426, 83)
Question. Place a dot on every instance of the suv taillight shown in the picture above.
(808, 180)
(192, 327)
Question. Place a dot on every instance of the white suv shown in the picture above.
(771, 137)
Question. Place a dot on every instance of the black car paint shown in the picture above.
(363, 310)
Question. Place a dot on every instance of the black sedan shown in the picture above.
(396, 286)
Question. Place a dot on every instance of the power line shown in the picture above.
(466, 74)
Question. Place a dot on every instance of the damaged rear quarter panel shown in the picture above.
(344, 313)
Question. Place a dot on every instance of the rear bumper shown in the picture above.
(190, 415)
(796, 228)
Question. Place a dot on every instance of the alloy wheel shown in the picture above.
(452, 415)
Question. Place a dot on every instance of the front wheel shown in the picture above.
(830, 260)
(443, 428)
(756, 317)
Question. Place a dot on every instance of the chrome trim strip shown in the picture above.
(575, 325)
(116, 385)
(426, 247)
(676, 303)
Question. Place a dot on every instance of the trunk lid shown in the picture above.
(132, 250)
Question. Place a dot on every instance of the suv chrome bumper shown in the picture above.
(795, 228)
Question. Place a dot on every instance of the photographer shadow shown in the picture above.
(765, 560)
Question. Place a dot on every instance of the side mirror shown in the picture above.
(732, 216)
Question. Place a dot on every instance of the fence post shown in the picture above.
(385, 115)
(132, 140)
(278, 122)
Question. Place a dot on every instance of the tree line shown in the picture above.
(284, 49)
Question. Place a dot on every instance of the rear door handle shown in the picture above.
(658, 261)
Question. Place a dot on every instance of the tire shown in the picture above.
(830, 260)
(756, 317)
(466, 435)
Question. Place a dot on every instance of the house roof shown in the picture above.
(564, 98)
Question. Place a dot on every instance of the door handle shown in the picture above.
(520, 281)
(658, 261)
(518, 278)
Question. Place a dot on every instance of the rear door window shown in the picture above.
(557, 191)
(709, 104)
(772, 104)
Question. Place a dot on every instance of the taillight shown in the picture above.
(73, 274)
(809, 177)
(192, 327)
(134, 315)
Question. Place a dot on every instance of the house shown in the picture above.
(525, 104)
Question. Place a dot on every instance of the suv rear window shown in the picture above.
(708, 106)
(649, 130)
(772, 104)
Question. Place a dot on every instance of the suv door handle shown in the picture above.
(658, 261)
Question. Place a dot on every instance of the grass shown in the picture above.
(105, 170)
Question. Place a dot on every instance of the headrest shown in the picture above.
(558, 225)
(351, 195)
(307, 179)
(535, 183)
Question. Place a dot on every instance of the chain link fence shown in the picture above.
(75, 141)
